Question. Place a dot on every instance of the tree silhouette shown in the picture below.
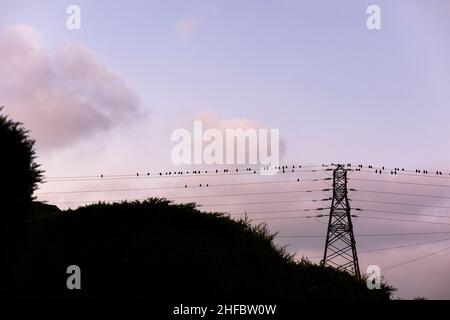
(20, 174)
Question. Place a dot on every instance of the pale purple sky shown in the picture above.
(105, 99)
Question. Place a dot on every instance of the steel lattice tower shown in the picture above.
(340, 246)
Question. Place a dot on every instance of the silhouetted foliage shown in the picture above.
(155, 249)
(20, 173)
(19, 178)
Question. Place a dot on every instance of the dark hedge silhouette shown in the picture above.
(20, 173)
(158, 250)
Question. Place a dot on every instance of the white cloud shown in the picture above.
(60, 96)
(212, 120)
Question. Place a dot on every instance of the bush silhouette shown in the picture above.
(20, 173)
(156, 250)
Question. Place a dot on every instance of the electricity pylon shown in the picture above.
(340, 247)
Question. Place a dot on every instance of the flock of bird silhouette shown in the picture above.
(283, 169)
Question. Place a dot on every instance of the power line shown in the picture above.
(401, 193)
(405, 213)
(111, 190)
(404, 246)
(200, 185)
(286, 168)
(397, 173)
(402, 203)
(370, 235)
(283, 218)
(296, 210)
(278, 211)
(180, 174)
(290, 217)
(403, 220)
(199, 196)
(192, 172)
(356, 216)
(321, 216)
(426, 173)
(402, 182)
(204, 205)
(415, 259)
(396, 247)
